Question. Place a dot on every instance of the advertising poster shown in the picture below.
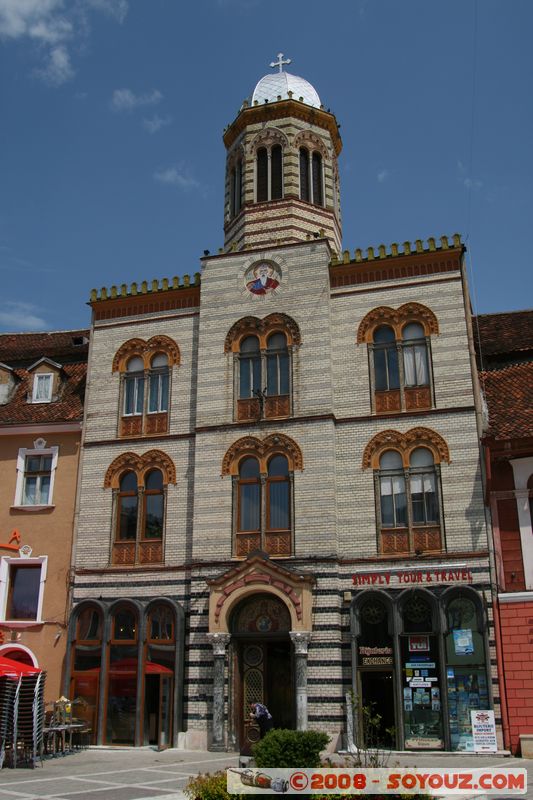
(463, 642)
(484, 731)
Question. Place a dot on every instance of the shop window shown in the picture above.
(122, 677)
(264, 363)
(35, 476)
(22, 589)
(140, 515)
(263, 491)
(159, 669)
(407, 486)
(86, 661)
(145, 369)
(400, 357)
(465, 667)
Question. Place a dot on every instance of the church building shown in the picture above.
(280, 494)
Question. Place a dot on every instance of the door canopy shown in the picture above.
(259, 575)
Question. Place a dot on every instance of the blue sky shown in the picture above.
(111, 120)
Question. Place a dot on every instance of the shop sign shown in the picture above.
(420, 665)
(419, 644)
(413, 576)
(13, 543)
(374, 661)
(484, 731)
(375, 651)
(423, 743)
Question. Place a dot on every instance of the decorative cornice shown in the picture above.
(250, 445)
(405, 443)
(284, 108)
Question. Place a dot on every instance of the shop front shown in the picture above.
(420, 660)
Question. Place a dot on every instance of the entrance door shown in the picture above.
(264, 671)
(157, 710)
(377, 692)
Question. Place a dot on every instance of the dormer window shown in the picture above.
(42, 387)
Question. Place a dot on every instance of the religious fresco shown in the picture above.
(262, 278)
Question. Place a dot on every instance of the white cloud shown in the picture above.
(58, 70)
(115, 8)
(20, 317)
(467, 181)
(53, 24)
(126, 100)
(177, 176)
(382, 175)
(156, 123)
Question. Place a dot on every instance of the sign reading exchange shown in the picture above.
(404, 577)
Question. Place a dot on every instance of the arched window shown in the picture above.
(278, 495)
(318, 193)
(264, 351)
(134, 387)
(262, 174)
(154, 505)
(263, 479)
(415, 357)
(249, 367)
(399, 344)
(128, 504)
(86, 661)
(269, 173)
(158, 400)
(277, 365)
(249, 496)
(423, 484)
(140, 535)
(235, 188)
(311, 177)
(407, 484)
(304, 174)
(122, 677)
(386, 372)
(145, 370)
(393, 500)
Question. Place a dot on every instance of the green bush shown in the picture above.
(211, 786)
(280, 748)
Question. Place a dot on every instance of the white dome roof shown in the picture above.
(280, 84)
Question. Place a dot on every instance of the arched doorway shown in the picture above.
(262, 664)
(19, 653)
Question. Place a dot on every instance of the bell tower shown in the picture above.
(282, 181)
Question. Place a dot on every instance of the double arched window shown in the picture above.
(262, 493)
(269, 173)
(400, 357)
(407, 482)
(263, 351)
(145, 369)
(311, 176)
(139, 492)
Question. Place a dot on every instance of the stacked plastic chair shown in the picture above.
(21, 713)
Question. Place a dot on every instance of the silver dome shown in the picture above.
(279, 84)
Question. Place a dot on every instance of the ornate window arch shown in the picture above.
(139, 485)
(407, 489)
(268, 149)
(263, 490)
(145, 369)
(399, 342)
(263, 351)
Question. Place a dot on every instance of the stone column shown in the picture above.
(300, 640)
(219, 642)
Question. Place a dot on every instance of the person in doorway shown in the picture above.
(262, 716)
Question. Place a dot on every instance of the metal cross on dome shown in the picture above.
(280, 62)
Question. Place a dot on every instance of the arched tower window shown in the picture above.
(269, 173)
(318, 189)
(311, 177)
(304, 174)
(235, 188)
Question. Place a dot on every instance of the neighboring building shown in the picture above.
(505, 355)
(42, 383)
(281, 494)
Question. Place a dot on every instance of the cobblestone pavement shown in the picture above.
(145, 774)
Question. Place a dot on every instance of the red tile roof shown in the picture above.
(509, 396)
(20, 351)
(498, 334)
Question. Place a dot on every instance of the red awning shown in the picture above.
(16, 669)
